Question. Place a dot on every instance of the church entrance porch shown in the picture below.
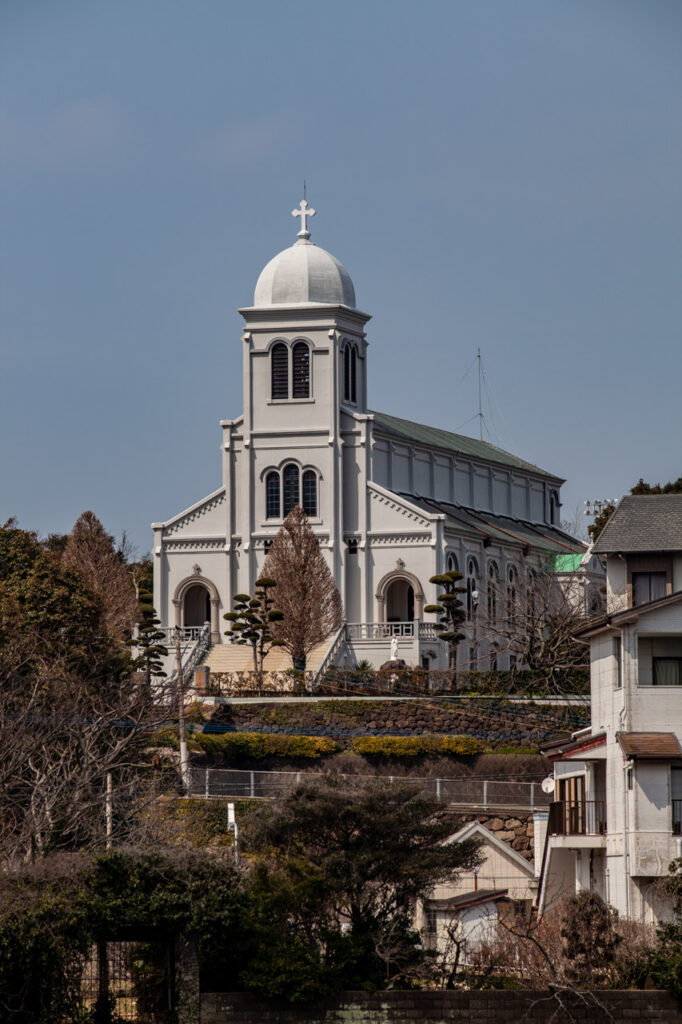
(196, 606)
(400, 602)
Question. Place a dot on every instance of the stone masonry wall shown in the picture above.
(484, 1007)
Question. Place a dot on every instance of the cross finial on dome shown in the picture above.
(304, 212)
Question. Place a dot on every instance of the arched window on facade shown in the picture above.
(472, 593)
(279, 365)
(531, 601)
(301, 370)
(350, 373)
(493, 587)
(451, 562)
(554, 508)
(290, 489)
(273, 506)
(512, 587)
(310, 492)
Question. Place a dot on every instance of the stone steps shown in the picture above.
(239, 658)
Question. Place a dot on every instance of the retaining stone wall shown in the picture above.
(343, 720)
(493, 1007)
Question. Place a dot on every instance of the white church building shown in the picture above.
(392, 502)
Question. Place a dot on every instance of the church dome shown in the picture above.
(304, 273)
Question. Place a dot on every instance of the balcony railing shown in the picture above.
(677, 817)
(577, 818)
(387, 630)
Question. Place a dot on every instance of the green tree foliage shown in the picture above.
(149, 643)
(252, 621)
(451, 611)
(341, 864)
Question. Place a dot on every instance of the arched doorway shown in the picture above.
(196, 606)
(400, 601)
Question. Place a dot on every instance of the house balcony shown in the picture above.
(577, 823)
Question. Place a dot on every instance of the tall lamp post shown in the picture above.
(184, 758)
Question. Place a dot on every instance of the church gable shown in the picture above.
(205, 518)
(393, 516)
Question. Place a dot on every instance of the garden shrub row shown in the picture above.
(416, 746)
(256, 744)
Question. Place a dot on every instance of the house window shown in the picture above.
(290, 489)
(301, 370)
(667, 671)
(676, 799)
(647, 586)
(272, 502)
(310, 492)
(279, 362)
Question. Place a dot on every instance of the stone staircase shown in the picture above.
(239, 658)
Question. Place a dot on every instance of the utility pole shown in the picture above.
(184, 759)
(232, 827)
(109, 809)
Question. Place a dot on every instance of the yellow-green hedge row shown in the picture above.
(416, 746)
(255, 744)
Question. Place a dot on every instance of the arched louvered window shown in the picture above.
(301, 370)
(346, 373)
(350, 373)
(290, 489)
(272, 500)
(353, 373)
(310, 492)
(452, 562)
(279, 362)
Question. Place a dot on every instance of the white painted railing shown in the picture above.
(476, 793)
(387, 630)
(196, 644)
(330, 656)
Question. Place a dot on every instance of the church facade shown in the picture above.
(392, 502)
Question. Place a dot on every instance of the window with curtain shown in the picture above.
(279, 364)
(647, 586)
(310, 492)
(667, 671)
(272, 499)
(290, 489)
(301, 370)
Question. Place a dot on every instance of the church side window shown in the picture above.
(452, 562)
(301, 370)
(472, 592)
(512, 584)
(353, 373)
(290, 489)
(553, 507)
(310, 492)
(279, 361)
(272, 502)
(493, 585)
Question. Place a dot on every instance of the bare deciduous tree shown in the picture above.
(306, 593)
(90, 551)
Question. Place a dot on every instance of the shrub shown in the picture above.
(416, 746)
(258, 745)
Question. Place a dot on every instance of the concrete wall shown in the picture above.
(487, 1007)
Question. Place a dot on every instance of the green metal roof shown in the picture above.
(434, 437)
(567, 563)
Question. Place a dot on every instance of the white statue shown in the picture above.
(394, 648)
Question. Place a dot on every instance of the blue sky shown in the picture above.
(493, 174)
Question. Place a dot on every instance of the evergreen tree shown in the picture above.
(149, 641)
(252, 622)
(451, 611)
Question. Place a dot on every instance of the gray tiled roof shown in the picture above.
(643, 522)
(434, 437)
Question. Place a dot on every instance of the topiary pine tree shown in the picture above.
(451, 611)
(148, 642)
(251, 622)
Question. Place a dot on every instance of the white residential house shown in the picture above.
(393, 502)
(467, 911)
(616, 822)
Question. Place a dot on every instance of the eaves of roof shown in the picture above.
(617, 619)
(558, 749)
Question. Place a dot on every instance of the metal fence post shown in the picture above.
(437, 789)
(207, 785)
(485, 794)
(252, 781)
(532, 796)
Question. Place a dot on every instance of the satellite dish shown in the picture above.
(548, 784)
